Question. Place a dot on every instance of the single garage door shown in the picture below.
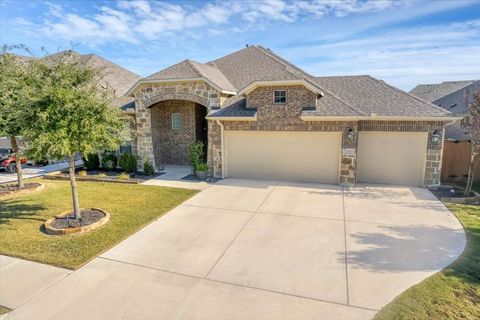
(294, 156)
(391, 157)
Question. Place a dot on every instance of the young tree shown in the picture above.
(473, 125)
(72, 114)
(15, 94)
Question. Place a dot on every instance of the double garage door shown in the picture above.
(382, 157)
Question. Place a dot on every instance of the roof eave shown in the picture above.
(252, 118)
(306, 117)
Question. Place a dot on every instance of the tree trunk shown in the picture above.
(73, 183)
(18, 162)
(471, 174)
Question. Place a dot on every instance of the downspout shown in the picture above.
(222, 147)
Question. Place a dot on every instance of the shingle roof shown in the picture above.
(457, 103)
(188, 69)
(432, 92)
(114, 77)
(375, 97)
(236, 109)
(255, 63)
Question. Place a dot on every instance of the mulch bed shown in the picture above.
(9, 188)
(89, 216)
(193, 177)
(448, 193)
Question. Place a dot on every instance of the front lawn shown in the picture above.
(130, 206)
(453, 293)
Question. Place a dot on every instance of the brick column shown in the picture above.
(348, 173)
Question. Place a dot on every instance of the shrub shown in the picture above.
(82, 173)
(148, 168)
(101, 174)
(123, 176)
(91, 161)
(195, 151)
(109, 161)
(202, 167)
(128, 162)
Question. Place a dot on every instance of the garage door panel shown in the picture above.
(295, 156)
(391, 157)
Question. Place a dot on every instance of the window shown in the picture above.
(176, 121)
(279, 96)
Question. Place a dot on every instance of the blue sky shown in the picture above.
(404, 42)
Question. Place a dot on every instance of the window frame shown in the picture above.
(286, 97)
(173, 121)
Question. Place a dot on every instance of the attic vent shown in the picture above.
(452, 106)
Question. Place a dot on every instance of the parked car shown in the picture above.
(8, 161)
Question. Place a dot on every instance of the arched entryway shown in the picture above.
(176, 124)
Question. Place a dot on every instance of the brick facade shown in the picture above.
(171, 146)
(286, 117)
(270, 117)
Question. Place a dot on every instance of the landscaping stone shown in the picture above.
(65, 223)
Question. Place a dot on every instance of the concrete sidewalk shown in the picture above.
(33, 172)
(21, 280)
(172, 177)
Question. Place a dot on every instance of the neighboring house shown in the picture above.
(115, 79)
(262, 117)
(453, 96)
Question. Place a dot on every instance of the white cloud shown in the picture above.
(129, 20)
(404, 56)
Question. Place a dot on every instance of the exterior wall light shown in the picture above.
(435, 136)
(350, 134)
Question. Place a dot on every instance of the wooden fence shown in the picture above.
(456, 159)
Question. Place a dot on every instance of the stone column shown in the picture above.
(433, 165)
(144, 136)
(348, 173)
(214, 155)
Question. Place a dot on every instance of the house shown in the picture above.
(262, 117)
(453, 96)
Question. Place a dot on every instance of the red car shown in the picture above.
(8, 160)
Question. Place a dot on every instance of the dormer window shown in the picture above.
(280, 96)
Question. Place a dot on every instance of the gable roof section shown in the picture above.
(374, 97)
(432, 92)
(192, 70)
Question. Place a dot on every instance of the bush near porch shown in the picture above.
(453, 293)
(131, 207)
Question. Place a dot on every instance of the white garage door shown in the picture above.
(294, 156)
(391, 157)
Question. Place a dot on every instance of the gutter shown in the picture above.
(450, 119)
(254, 118)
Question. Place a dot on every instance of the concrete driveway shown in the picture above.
(251, 249)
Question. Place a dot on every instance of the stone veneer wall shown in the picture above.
(149, 94)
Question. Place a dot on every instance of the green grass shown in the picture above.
(131, 207)
(453, 293)
(4, 310)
